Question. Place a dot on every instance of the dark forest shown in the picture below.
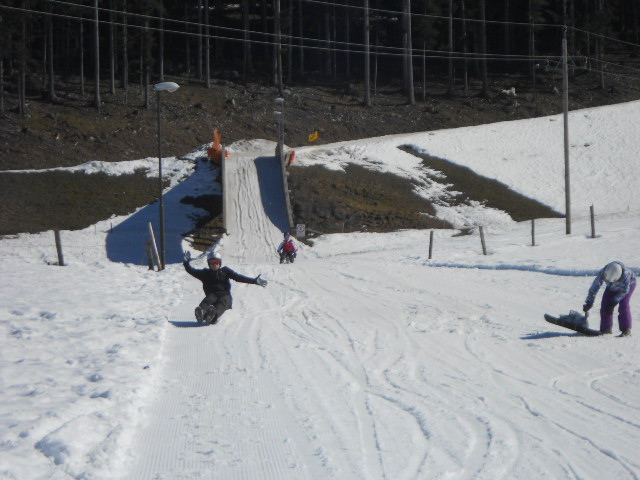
(123, 42)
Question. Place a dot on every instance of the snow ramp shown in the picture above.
(214, 415)
(255, 208)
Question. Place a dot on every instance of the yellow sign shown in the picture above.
(313, 136)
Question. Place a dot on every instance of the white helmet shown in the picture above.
(213, 258)
(612, 272)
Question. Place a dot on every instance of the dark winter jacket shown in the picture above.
(217, 281)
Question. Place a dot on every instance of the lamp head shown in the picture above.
(166, 87)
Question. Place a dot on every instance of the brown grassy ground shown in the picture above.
(71, 132)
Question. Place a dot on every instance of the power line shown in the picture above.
(324, 3)
(387, 50)
(380, 50)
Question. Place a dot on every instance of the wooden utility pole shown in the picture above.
(565, 95)
(278, 50)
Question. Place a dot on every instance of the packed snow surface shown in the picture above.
(365, 359)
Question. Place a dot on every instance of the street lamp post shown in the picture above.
(159, 88)
(280, 115)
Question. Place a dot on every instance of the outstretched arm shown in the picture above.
(244, 279)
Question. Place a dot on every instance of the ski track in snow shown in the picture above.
(305, 391)
(363, 360)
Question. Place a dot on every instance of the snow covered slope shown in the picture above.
(363, 360)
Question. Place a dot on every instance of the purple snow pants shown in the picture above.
(624, 311)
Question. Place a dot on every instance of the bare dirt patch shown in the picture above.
(71, 132)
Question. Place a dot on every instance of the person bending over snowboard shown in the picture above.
(217, 287)
(621, 282)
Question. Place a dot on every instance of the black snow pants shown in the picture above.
(221, 302)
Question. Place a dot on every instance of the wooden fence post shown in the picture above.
(533, 232)
(154, 247)
(593, 223)
(430, 244)
(484, 246)
(149, 255)
(59, 247)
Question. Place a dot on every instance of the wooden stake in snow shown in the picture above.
(430, 244)
(484, 246)
(154, 246)
(59, 248)
(533, 232)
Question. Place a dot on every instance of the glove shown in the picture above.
(261, 282)
(187, 256)
(610, 308)
(587, 306)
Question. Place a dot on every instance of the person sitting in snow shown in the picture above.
(217, 287)
(621, 282)
(287, 249)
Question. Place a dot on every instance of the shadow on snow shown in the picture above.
(126, 242)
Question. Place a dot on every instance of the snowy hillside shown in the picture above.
(365, 359)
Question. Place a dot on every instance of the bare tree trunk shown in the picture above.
(334, 38)
(22, 82)
(45, 51)
(96, 55)
(207, 54)
(50, 64)
(375, 60)
(301, 35)
(465, 62)
(403, 20)
(600, 46)
(67, 51)
(265, 29)
(507, 28)
(125, 52)
(636, 28)
(200, 15)
(424, 71)
(82, 93)
(112, 52)
(145, 65)
(347, 34)
(483, 49)
(187, 37)
(411, 99)
(290, 43)
(247, 40)
(327, 53)
(532, 52)
(450, 82)
(1, 86)
(367, 67)
(218, 42)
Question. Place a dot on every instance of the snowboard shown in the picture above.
(573, 321)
